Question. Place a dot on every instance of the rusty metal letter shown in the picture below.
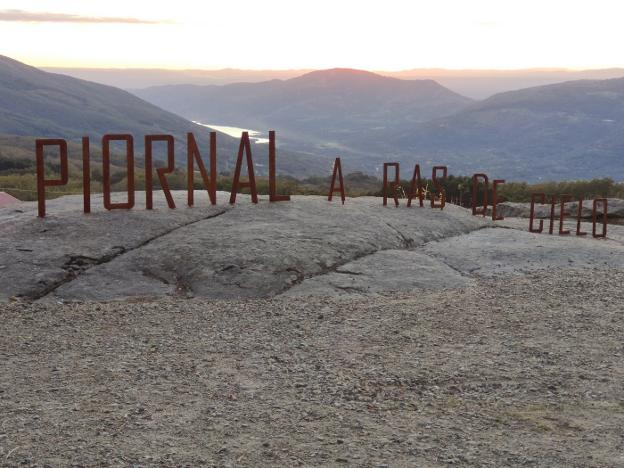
(86, 175)
(161, 171)
(578, 219)
(495, 185)
(106, 185)
(332, 188)
(604, 217)
(210, 181)
(42, 182)
(475, 193)
(273, 196)
(542, 198)
(564, 199)
(439, 186)
(416, 187)
(553, 202)
(236, 183)
(394, 186)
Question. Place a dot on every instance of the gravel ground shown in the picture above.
(510, 371)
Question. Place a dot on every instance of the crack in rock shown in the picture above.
(78, 264)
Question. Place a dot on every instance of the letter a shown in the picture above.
(332, 188)
(236, 184)
(416, 187)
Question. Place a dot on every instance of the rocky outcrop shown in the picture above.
(302, 247)
(225, 251)
(7, 200)
(523, 210)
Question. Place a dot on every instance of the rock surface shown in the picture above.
(7, 200)
(225, 251)
(523, 210)
(511, 371)
(389, 337)
(386, 271)
(305, 246)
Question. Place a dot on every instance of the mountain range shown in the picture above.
(475, 84)
(321, 112)
(35, 103)
(568, 130)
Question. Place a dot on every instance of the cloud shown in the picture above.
(44, 17)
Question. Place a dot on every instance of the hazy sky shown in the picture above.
(281, 34)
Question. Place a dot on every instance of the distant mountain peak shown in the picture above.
(341, 75)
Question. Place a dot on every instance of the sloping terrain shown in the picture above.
(305, 246)
(37, 104)
(336, 111)
(521, 371)
(476, 84)
(220, 252)
(570, 130)
(370, 336)
(323, 102)
(481, 84)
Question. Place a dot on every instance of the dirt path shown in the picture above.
(510, 371)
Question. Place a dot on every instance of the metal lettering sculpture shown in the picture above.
(475, 193)
(394, 186)
(578, 219)
(439, 186)
(161, 171)
(332, 188)
(563, 200)
(553, 201)
(210, 181)
(106, 185)
(415, 187)
(86, 175)
(604, 218)
(534, 196)
(251, 178)
(495, 185)
(439, 174)
(42, 182)
(273, 196)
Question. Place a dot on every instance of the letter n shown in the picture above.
(210, 181)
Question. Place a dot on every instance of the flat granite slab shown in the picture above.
(305, 246)
(221, 251)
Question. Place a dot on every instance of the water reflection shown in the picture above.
(235, 132)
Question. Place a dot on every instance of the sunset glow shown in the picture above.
(280, 34)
